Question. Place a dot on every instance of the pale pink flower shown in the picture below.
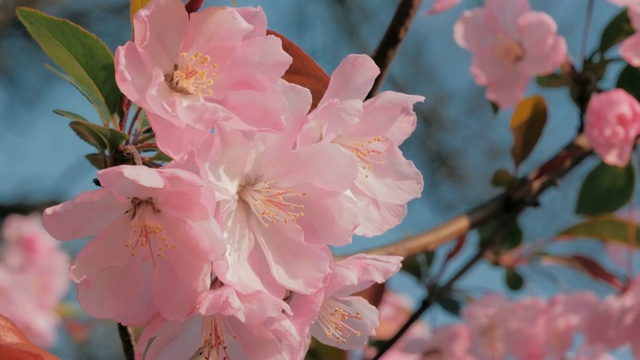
(155, 242)
(192, 72)
(440, 6)
(225, 325)
(486, 318)
(449, 342)
(394, 309)
(280, 207)
(371, 132)
(33, 277)
(567, 315)
(510, 44)
(347, 321)
(630, 47)
(612, 123)
(525, 328)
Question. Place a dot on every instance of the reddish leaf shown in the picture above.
(456, 249)
(373, 294)
(193, 6)
(586, 265)
(15, 345)
(304, 71)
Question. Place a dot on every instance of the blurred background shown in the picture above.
(458, 143)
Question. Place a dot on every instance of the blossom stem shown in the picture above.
(127, 342)
(133, 123)
(585, 33)
(396, 32)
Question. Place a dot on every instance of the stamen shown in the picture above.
(510, 50)
(212, 343)
(145, 230)
(192, 74)
(271, 204)
(333, 319)
(365, 149)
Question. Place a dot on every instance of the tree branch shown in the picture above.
(396, 32)
(127, 342)
(508, 202)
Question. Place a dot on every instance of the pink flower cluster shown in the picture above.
(33, 277)
(576, 326)
(225, 251)
(510, 44)
(612, 124)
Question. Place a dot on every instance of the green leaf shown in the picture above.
(160, 156)
(494, 107)
(615, 32)
(448, 304)
(605, 228)
(83, 57)
(413, 267)
(514, 280)
(502, 178)
(552, 80)
(527, 123)
(99, 161)
(70, 115)
(629, 80)
(511, 240)
(100, 137)
(605, 189)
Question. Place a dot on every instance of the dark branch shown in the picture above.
(396, 32)
(507, 205)
(127, 342)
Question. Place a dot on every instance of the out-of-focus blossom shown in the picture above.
(440, 6)
(156, 239)
(510, 44)
(630, 47)
(191, 72)
(33, 277)
(567, 315)
(371, 132)
(612, 123)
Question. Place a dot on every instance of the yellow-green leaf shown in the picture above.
(527, 122)
(137, 5)
(86, 61)
(605, 228)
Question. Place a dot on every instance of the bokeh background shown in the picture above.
(458, 143)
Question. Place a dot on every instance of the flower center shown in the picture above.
(333, 319)
(510, 50)
(192, 75)
(212, 341)
(271, 204)
(145, 230)
(367, 150)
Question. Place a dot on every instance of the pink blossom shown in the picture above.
(225, 325)
(612, 123)
(280, 207)
(155, 242)
(567, 315)
(346, 321)
(486, 320)
(394, 309)
(370, 132)
(192, 72)
(630, 47)
(510, 44)
(440, 6)
(33, 277)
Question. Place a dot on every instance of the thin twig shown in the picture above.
(396, 32)
(126, 337)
